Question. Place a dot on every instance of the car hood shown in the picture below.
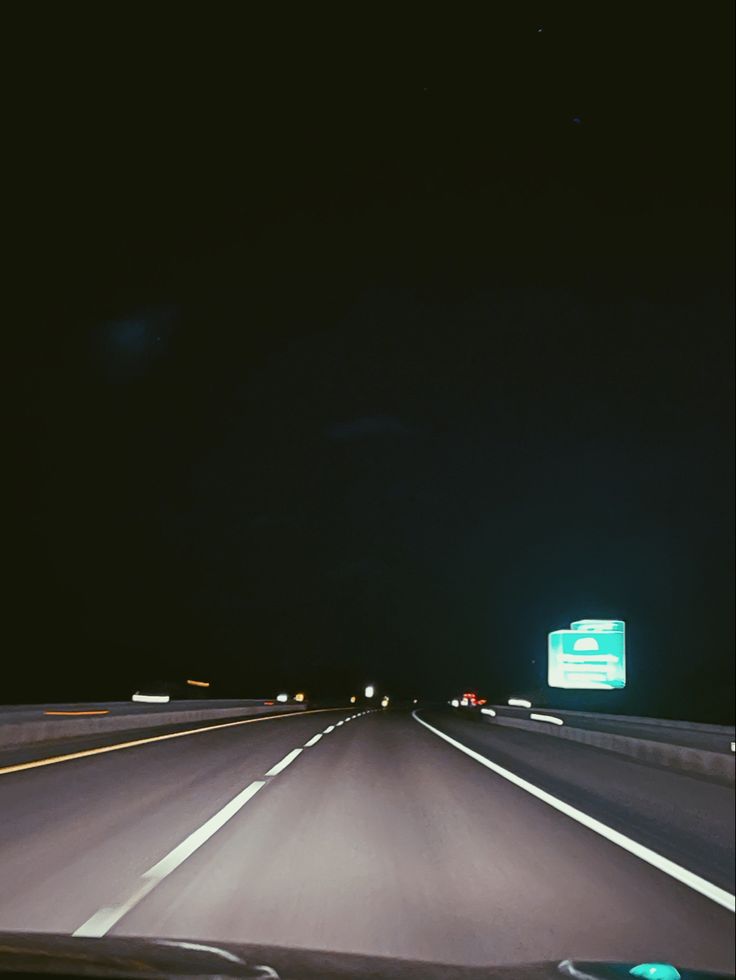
(128, 957)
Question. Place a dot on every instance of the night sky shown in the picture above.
(366, 347)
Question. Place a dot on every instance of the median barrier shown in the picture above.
(53, 728)
(719, 766)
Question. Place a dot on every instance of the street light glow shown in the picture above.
(369, 691)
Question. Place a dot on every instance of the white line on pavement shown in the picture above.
(280, 766)
(328, 730)
(104, 919)
(718, 895)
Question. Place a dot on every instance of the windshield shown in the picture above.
(371, 580)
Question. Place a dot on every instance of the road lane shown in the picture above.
(387, 841)
(689, 819)
(378, 838)
(72, 833)
(63, 749)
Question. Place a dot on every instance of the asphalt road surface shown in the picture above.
(379, 837)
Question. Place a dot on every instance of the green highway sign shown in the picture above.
(589, 655)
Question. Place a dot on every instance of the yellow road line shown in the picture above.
(99, 711)
(52, 760)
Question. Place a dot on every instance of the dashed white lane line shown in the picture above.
(339, 723)
(328, 730)
(104, 919)
(689, 878)
(287, 760)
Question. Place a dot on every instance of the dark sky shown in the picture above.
(373, 347)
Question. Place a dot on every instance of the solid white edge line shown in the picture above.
(280, 766)
(104, 919)
(718, 895)
(313, 740)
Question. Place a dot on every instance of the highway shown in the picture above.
(369, 832)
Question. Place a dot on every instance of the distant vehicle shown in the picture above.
(470, 699)
(162, 691)
(148, 698)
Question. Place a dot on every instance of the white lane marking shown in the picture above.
(488, 711)
(328, 730)
(550, 718)
(718, 895)
(280, 766)
(338, 724)
(116, 746)
(104, 919)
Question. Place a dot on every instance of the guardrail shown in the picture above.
(52, 727)
(695, 726)
(714, 758)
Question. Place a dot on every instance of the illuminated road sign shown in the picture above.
(590, 655)
(596, 625)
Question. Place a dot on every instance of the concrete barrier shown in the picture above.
(715, 765)
(51, 729)
(570, 715)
